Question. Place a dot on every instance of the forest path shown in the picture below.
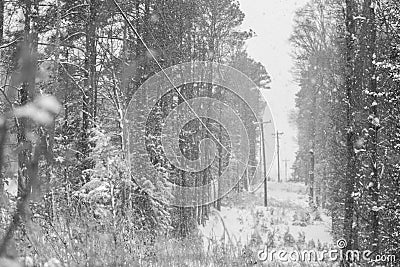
(286, 222)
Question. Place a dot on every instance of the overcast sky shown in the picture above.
(272, 21)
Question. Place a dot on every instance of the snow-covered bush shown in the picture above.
(113, 192)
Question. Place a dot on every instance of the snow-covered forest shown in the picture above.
(132, 133)
(347, 55)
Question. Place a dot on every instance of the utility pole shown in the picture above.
(311, 177)
(277, 144)
(264, 160)
(286, 173)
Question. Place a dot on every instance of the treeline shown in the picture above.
(85, 203)
(347, 58)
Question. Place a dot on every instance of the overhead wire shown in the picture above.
(151, 53)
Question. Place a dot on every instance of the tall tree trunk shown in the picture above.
(350, 157)
(89, 97)
(27, 91)
(2, 123)
(374, 124)
(209, 93)
(3, 132)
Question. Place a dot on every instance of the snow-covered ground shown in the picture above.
(286, 222)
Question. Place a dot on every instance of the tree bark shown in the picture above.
(373, 125)
(350, 157)
(89, 97)
(2, 123)
(27, 91)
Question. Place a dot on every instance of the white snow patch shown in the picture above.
(287, 206)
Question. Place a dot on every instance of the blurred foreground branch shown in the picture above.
(19, 212)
